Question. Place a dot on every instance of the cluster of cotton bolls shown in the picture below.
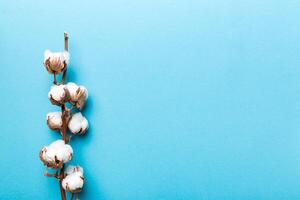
(59, 152)
(76, 96)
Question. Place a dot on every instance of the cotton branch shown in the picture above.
(64, 123)
(58, 153)
(66, 49)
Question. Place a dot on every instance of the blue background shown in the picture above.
(188, 99)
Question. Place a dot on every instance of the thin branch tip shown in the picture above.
(66, 36)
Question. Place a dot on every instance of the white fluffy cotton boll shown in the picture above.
(78, 95)
(58, 94)
(74, 180)
(56, 154)
(56, 62)
(72, 169)
(54, 120)
(78, 124)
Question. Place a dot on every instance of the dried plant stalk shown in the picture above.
(58, 153)
(64, 126)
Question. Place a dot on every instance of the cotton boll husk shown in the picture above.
(78, 124)
(58, 94)
(74, 180)
(78, 95)
(56, 154)
(54, 120)
(56, 62)
(82, 97)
